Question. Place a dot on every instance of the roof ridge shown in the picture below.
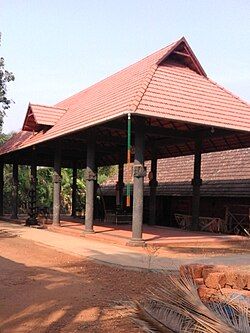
(151, 71)
(228, 92)
(48, 106)
(140, 93)
(120, 71)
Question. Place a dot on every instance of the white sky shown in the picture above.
(56, 47)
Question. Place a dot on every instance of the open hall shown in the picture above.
(163, 106)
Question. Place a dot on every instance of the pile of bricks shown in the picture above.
(213, 280)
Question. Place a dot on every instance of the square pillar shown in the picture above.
(74, 191)
(57, 187)
(90, 175)
(196, 182)
(139, 174)
(1, 186)
(153, 187)
(14, 214)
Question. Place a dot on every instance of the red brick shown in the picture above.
(199, 281)
(240, 281)
(231, 277)
(194, 270)
(208, 269)
(228, 286)
(215, 280)
(248, 282)
(206, 293)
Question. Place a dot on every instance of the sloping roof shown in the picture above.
(168, 84)
(223, 173)
(15, 141)
(40, 116)
(177, 92)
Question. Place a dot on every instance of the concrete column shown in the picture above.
(90, 185)
(57, 187)
(15, 191)
(1, 186)
(139, 174)
(153, 187)
(120, 186)
(196, 182)
(74, 191)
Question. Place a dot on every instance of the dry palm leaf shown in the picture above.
(177, 307)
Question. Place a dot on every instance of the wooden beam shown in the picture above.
(14, 214)
(182, 54)
(152, 197)
(74, 190)
(1, 186)
(196, 182)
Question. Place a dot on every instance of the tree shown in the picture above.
(45, 185)
(5, 77)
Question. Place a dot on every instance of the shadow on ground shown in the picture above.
(7, 234)
(63, 293)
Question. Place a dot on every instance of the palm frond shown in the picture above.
(177, 307)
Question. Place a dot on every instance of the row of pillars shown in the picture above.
(139, 173)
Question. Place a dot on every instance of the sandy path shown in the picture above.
(43, 290)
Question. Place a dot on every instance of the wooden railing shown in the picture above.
(210, 224)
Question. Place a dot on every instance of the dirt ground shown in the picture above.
(43, 290)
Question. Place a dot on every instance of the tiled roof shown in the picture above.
(15, 141)
(223, 173)
(177, 92)
(156, 86)
(39, 116)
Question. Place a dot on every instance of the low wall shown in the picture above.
(213, 280)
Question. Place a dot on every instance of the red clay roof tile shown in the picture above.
(230, 170)
(155, 86)
(41, 115)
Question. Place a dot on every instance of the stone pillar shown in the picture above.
(74, 191)
(153, 187)
(57, 187)
(196, 182)
(139, 174)
(120, 186)
(1, 186)
(32, 219)
(90, 185)
(15, 192)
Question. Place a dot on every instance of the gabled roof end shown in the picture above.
(182, 52)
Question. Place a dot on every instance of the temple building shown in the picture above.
(161, 107)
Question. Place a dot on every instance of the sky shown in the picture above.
(56, 48)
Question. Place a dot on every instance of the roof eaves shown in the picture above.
(44, 138)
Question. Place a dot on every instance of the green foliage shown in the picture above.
(4, 137)
(5, 78)
(45, 186)
(105, 172)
